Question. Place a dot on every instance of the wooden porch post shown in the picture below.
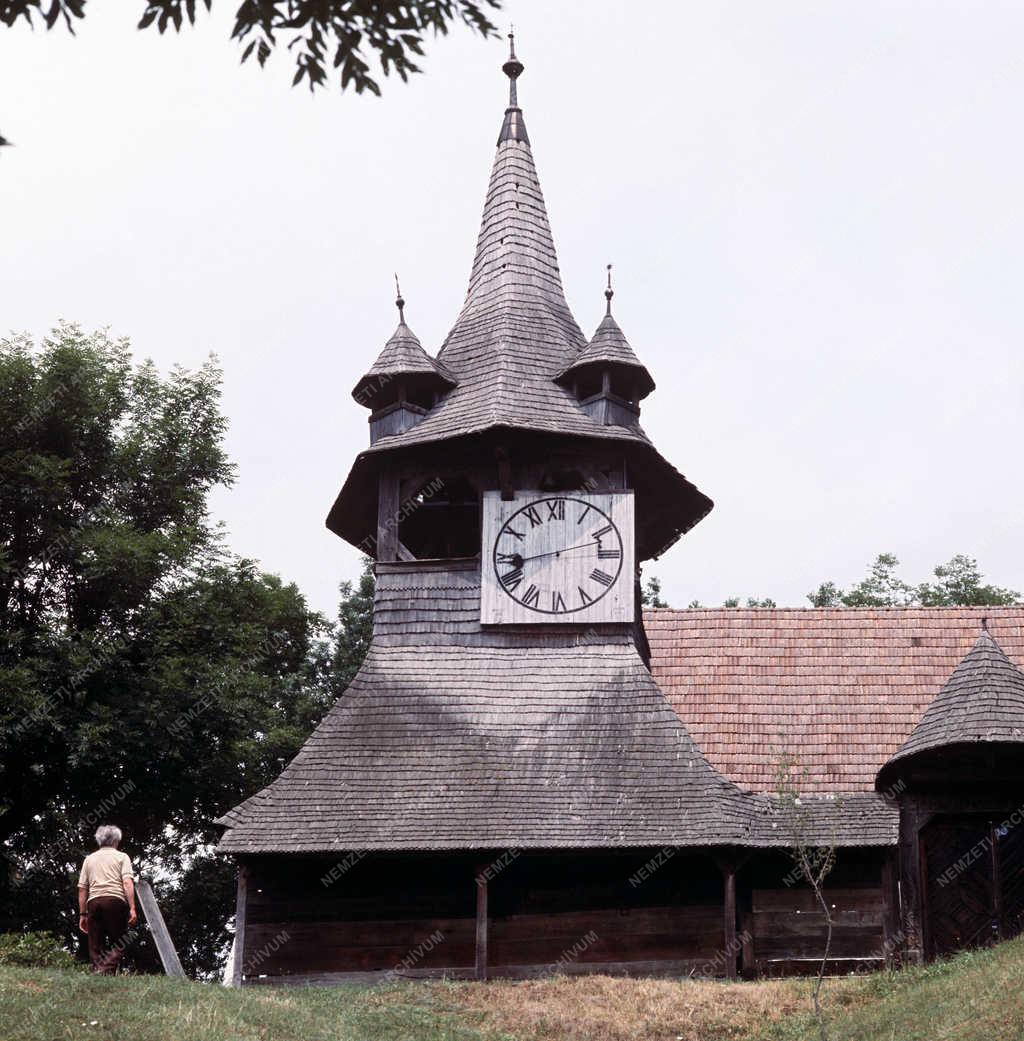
(239, 944)
(892, 940)
(730, 921)
(729, 863)
(481, 923)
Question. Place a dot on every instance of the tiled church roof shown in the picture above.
(840, 688)
(983, 701)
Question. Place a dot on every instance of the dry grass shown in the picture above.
(586, 1008)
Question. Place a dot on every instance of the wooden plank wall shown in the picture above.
(787, 927)
(358, 914)
(544, 914)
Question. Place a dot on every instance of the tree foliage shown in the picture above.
(354, 628)
(322, 34)
(148, 677)
(959, 582)
(650, 594)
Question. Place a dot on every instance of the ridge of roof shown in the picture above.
(981, 702)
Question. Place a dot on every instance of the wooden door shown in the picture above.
(958, 865)
(1009, 840)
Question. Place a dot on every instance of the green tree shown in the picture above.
(958, 583)
(148, 677)
(355, 627)
(752, 601)
(650, 594)
(322, 34)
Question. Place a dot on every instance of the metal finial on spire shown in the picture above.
(399, 302)
(513, 69)
(609, 292)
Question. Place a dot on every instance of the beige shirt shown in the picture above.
(103, 871)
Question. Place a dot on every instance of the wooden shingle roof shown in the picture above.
(839, 688)
(515, 332)
(514, 335)
(983, 701)
(403, 356)
(453, 737)
(609, 346)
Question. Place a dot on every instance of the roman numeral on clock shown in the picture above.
(506, 558)
(531, 596)
(512, 579)
(556, 510)
(531, 514)
(609, 554)
(557, 603)
(515, 534)
(601, 534)
(584, 598)
(599, 576)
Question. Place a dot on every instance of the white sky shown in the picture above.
(814, 211)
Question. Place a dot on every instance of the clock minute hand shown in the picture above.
(559, 552)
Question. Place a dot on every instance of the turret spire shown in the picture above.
(399, 302)
(513, 69)
(513, 129)
(609, 292)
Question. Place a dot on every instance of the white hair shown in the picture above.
(108, 835)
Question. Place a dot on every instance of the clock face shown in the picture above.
(558, 558)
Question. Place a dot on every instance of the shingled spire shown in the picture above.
(513, 337)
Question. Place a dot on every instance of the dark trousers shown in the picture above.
(108, 923)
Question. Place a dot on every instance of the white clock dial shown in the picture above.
(553, 557)
(541, 554)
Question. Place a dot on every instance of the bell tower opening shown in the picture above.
(442, 519)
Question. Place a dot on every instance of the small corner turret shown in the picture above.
(606, 377)
(403, 384)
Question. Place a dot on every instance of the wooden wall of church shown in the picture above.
(325, 919)
(656, 912)
(785, 928)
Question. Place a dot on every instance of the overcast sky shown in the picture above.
(814, 209)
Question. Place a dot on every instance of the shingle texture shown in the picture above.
(609, 346)
(983, 701)
(513, 337)
(515, 332)
(403, 355)
(842, 689)
(471, 744)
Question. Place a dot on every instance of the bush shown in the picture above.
(35, 950)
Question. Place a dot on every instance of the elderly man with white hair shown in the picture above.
(106, 900)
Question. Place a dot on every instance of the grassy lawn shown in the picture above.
(975, 997)
(46, 1005)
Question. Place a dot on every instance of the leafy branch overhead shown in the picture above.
(323, 34)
